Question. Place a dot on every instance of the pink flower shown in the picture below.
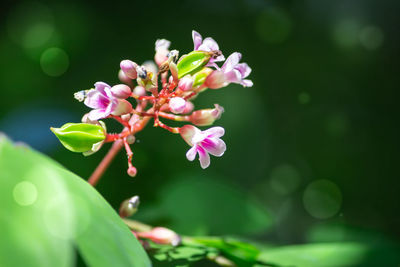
(105, 103)
(208, 44)
(203, 143)
(231, 72)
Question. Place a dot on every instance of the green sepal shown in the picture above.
(200, 77)
(79, 137)
(192, 62)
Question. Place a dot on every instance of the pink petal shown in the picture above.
(95, 99)
(214, 132)
(97, 114)
(244, 69)
(191, 153)
(209, 44)
(214, 146)
(215, 80)
(197, 39)
(203, 157)
(231, 61)
(233, 76)
(99, 86)
(187, 132)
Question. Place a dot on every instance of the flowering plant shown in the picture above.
(164, 90)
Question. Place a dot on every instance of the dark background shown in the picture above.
(312, 146)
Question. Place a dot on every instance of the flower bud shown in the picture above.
(80, 137)
(123, 78)
(193, 62)
(174, 71)
(162, 46)
(161, 235)
(177, 105)
(139, 91)
(122, 108)
(129, 206)
(132, 171)
(205, 117)
(121, 91)
(129, 68)
(188, 108)
(186, 83)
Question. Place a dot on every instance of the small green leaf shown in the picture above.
(192, 62)
(79, 137)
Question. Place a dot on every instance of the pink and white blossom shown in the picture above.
(208, 44)
(231, 72)
(104, 103)
(203, 143)
(128, 67)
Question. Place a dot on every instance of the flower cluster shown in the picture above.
(161, 90)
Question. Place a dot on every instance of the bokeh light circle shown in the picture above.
(371, 37)
(54, 61)
(31, 24)
(322, 199)
(25, 193)
(284, 179)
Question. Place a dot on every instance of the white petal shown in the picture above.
(214, 146)
(203, 157)
(214, 132)
(191, 153)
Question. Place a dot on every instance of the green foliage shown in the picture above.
(210, 207)
(333, 254)
(48, 212)
(79, 137)
(192, 63)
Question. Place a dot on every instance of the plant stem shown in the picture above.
(98, 172)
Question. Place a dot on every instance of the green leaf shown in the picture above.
(192, 62)
(79, 137)
(333, 254)
(47, 212)
(242, 253)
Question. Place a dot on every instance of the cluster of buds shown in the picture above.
(158, 91)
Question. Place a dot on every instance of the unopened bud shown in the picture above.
(205, 117)
(123, 78)
(173, 56)
(121, 91)
(139, 90)
(161, 235)
(162, 46)
(129, 206)
(188, 108)
(177, 105)
(129, 68)
(174, 71)
(123, 107)
(186, 83)
(132, 171)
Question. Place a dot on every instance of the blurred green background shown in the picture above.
(312, 147)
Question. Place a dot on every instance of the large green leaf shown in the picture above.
(333, 255)
(48, 212)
